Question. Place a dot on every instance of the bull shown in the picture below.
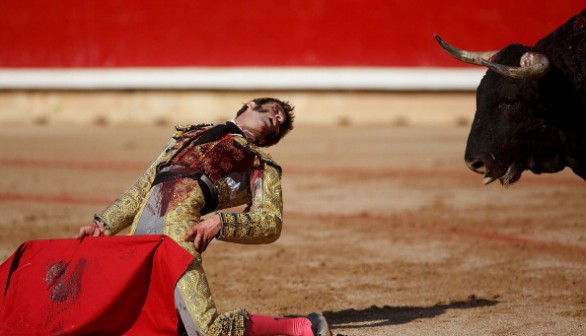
(530, 106)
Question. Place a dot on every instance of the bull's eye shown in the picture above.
(511, 109)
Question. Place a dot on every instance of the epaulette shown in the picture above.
(181, 129)
(266, 157)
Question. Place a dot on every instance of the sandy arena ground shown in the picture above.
(386, 231)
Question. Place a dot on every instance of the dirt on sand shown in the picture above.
(385, 230)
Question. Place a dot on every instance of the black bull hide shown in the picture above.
(532, 123)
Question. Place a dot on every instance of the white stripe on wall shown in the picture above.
(246, 78)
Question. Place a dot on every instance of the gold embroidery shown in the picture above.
(262, 224)
(226, 200)
(193, 285)
(122, 212)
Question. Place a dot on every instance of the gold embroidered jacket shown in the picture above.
(259, 187)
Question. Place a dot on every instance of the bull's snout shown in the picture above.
(476, 166)
(480, 164)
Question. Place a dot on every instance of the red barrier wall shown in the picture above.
(145, 33)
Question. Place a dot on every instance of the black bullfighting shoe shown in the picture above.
(319, 325)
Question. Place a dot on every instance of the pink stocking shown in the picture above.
(260, 325)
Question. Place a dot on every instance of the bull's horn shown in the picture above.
(533, 65)
(472, 57)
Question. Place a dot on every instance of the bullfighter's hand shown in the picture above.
(204, 232)
(91, 230)
(95, 229)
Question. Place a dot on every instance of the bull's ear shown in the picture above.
(472, 57)
(532, 65)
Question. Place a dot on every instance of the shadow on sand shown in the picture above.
(387, 316)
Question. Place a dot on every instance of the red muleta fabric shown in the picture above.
(107, 286)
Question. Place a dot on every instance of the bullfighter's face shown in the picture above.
(261, 123)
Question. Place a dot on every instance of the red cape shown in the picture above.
(108, 286)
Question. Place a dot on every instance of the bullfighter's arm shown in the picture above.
(120, 214)
(262, 221)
